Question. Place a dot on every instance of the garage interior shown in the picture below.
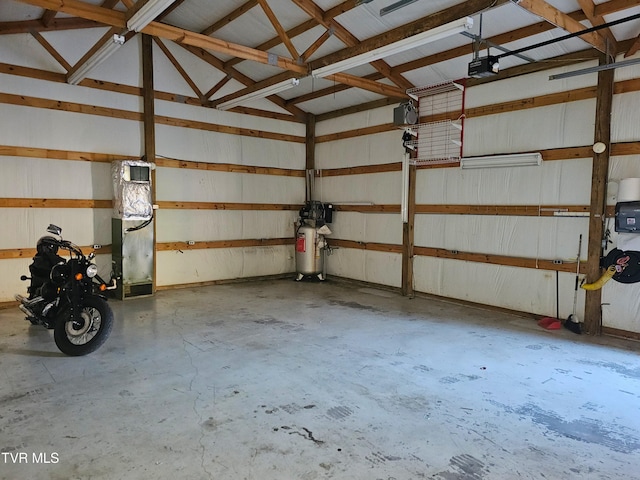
(359, 215)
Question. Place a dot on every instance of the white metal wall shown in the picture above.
(53, 178)
(564, 182)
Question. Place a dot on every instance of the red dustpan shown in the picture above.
(550, 323)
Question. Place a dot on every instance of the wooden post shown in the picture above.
(599, 177)
(407, 236)
(310, 144)
(149, 129)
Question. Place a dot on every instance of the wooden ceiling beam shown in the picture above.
(254, 87)
(47, 17)
(421, 25)
(274, 42)
(28, 26)
(279, 29)
(52, 51)
(613, 6)
(217, 87)
(83, 10)
(507, 37)
(178, 35)
(350, 40)
(227, 19)
(370, 85)
(316, 45)
(589, 8)
(562, 20)
(178, 67)
(302, 28)
(185, 37)
(635, 46)
(335, 88)
(242, 78)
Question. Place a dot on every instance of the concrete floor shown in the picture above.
(285, 380)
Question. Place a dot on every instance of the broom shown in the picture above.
(573, 323)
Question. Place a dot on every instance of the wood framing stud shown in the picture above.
(599, 176)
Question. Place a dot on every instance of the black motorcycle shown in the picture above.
(67, 295)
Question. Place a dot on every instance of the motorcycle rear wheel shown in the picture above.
(88, 332)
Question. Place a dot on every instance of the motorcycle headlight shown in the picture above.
(92, 270)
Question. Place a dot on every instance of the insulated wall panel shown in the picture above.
(368, 266)
(213, 225)
(366, 227)
(560, 182)
(520, 289)
(529, 130)
(366, 191)
(207, 265)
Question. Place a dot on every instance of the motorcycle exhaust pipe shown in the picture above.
(26, 311)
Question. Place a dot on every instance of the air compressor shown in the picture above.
(311, 243)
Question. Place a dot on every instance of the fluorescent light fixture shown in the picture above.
(395, 6)
(496, 161)
(147, 14)
(101, 54)
(262, 93)
(408, 43)
(599, 68)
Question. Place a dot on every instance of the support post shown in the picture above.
(407, 235)
(599, 177)
(310, 163)
(149, 128)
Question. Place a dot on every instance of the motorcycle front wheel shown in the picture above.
(85, 334)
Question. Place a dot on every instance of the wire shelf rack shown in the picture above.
(438, 140)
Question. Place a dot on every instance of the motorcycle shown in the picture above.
(68, 296)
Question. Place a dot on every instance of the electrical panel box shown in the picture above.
(628, 217)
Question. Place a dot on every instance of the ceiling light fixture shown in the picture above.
(262, 93)
(408, 43)
(495, 161)
(599, 68)
(147, 14)
(101, 54)
(396, 6)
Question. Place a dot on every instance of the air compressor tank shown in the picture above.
(310, 245)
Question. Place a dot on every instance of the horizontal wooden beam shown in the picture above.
(29, 72)
(511, 210)
(361, 170)
(504, 260)
(258, 242)
(13, 253)
(371, 246)
(358, 132)
(29, 26)
(25, 101)
(181, 36)
(53, 203)
(366, 208)
(562, 20)
(215, 127)
(31, 152)
(173, 205)
(227, 167)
